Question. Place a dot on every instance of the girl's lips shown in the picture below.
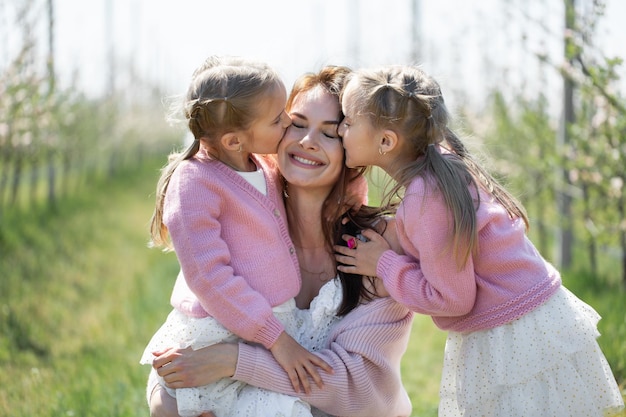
(303, 160)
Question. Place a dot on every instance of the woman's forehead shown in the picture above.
(317, 98)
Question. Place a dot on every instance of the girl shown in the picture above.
(519, 343)
(343, 319)
(219, 203)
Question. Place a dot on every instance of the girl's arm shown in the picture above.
(298, 363)
(428, 279)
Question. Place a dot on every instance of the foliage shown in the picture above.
(521, 134)
(81, 294)
(54, 141)
(569, 173)
(595, 155)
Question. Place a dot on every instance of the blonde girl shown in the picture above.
(519, 343)
(219, 205)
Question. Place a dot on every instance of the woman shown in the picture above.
(357, 330)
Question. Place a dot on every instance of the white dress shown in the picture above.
(546, 363)
(312, 329)
(230, 398)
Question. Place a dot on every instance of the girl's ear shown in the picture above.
(388, 141)
(231, 141)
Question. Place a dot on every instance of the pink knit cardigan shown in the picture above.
(507, 278)
(233, 246)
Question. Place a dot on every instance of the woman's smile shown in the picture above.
(306, 161)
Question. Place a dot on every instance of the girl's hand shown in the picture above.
(298, 363)
(361, 257)
(186, 368)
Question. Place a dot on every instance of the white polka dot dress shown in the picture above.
(230, 398)
(222, 397)
(546, 363)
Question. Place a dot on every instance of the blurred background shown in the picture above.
(536, 87)
(105, 45)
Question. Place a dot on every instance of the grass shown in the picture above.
(421, 366)
(81, 294)
(79, 297)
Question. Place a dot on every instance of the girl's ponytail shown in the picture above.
(158, 231)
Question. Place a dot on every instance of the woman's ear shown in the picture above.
(388, 141)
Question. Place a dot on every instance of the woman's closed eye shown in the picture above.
(331, 134)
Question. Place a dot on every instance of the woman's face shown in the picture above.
(311, 153)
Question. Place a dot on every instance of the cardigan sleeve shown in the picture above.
(192, 210)
(364, 350)
(428, 279)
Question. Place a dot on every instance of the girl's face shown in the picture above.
(358, 134)
(311, 153)
(269, 127)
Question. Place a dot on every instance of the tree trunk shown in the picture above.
(565, 236)
(52, 180)
(622, 237)
(34, 181)
(592, 250)
(17, 177)
(4, 175)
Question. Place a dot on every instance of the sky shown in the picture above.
(467, 45)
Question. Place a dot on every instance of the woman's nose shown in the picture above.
(309, 140)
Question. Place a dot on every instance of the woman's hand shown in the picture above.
(186, 368)
(298, 362)
(361, 257)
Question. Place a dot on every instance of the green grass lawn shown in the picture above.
(81, 294)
